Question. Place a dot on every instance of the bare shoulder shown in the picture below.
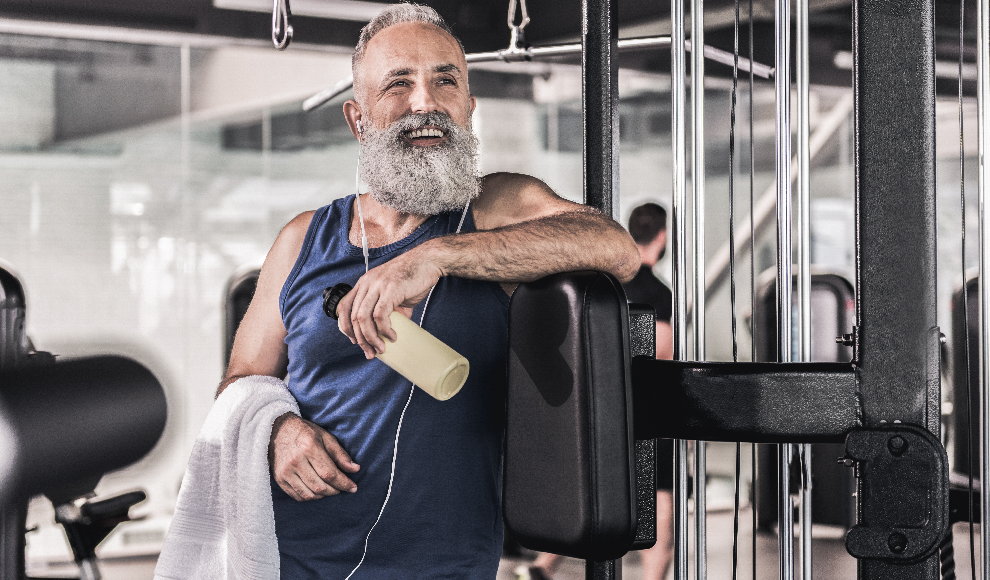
(282, 257)
(510, 198)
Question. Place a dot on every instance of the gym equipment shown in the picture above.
(886, 405)
(73, 421)
(518, 51)
(568, 373)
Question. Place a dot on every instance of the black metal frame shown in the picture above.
(600, 102)
(891, 392)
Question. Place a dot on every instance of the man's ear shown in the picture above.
(660, 244)
(473, 103)
(352, 113)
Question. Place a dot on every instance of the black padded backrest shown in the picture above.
(965, 319)
(240, 291)
(569, 466)
(13, 341)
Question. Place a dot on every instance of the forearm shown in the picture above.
(527, 251)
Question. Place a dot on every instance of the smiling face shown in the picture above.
(412, 68)
(418, 153)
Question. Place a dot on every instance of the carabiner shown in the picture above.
(281, 24)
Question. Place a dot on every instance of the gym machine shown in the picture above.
(68, 422)
(884, 405)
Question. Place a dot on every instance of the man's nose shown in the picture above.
(422, 99)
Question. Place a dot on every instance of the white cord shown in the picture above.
(357, 197)
(412, 389)
(391, 478)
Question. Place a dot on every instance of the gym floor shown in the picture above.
(831, 562)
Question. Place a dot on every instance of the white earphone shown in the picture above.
(360, 127)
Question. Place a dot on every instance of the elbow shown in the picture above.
(627, 271)
(627, 262)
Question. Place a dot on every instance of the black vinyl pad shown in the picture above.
(569, 468)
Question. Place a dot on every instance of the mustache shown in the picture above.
(414, 121)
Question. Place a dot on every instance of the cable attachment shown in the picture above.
(281, 24)
(517, 38)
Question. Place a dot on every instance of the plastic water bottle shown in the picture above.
(416, 354)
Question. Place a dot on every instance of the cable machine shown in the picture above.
(885, 404)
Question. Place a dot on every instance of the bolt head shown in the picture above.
(897, 445)
(897, 542)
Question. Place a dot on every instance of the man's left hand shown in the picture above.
(399, 284)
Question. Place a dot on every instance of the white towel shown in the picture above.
(224, 525)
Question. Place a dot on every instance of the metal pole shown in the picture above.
(679, 274)
(600, 102)
(700, 527)
(603, 570)
(698, 262)
(522, 54)
(785, 511)
(782, 83)
(600, 92)
(804, 258)
(983, 145)
(896, 336)
(805, 450)
(698, 179)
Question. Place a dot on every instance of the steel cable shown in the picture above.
(752, 268)
(965, 297)
(732, 268)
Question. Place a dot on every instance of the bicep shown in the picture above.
(259, 347)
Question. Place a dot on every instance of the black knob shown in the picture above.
(332, 296)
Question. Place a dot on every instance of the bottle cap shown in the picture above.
(332, 296)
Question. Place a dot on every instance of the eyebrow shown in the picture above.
(446, 68)
(399, 72)
(440, 68)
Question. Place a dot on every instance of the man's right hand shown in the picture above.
(307, 462)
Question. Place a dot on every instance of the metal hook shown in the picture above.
(512, 15)
(281, 24)
(517, 40)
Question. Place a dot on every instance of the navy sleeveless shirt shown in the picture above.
(443, 517)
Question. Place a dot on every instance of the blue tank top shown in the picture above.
(443, 518)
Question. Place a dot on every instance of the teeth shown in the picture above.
(424, 133)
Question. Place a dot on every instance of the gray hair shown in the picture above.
(390, 16)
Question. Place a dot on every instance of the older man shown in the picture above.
(377, 479)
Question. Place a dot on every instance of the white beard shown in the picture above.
(421, 180)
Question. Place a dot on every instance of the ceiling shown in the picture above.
(481, 25)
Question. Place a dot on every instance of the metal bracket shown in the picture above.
(907, 468)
